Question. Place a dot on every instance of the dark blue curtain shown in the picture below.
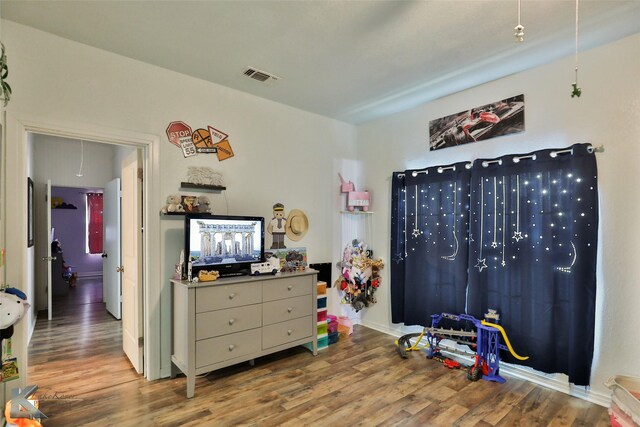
(397, 246)
(532, 254)
(431, 272)
(526, 228)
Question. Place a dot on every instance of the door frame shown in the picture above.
(16, 166)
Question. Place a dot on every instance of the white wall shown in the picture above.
(608, 113)
(281, 154)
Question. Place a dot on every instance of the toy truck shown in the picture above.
(355, 199)
(272, 266)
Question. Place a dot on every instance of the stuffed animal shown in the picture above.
(204, 205)
(14, 305)
(173, 204)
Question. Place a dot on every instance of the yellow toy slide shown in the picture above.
(506, 340)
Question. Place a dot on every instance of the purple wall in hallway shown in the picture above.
(70, 230)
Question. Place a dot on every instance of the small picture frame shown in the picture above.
(189, 203)
(29, 212)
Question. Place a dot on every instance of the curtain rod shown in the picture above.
(516, 159)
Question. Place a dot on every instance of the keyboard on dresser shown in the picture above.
(236, 319)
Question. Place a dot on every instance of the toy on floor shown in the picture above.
(484, 339)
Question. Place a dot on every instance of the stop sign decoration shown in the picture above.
(178, 130)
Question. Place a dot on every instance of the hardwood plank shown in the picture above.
(78, 363)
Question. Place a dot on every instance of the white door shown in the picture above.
(111, 279)
(132, 330)
(48, 258)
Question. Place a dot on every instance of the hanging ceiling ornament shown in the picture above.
(80, 174)
(576, 91)
(519, 34)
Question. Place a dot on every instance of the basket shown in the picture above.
(333, 337)
(322, 288)
(322, 328)
(625, 400)
(345, 325)
(332, 324)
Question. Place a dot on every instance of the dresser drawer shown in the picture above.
(226, 296)
(286, 288)
(222, 322)
(284, 332)
(219, 349)
(286, 309)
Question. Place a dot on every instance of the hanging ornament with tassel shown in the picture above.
(576, 90)
(519, 34)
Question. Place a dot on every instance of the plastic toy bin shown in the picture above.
(322, 288)
(333, 337)
(625, 400)
(322, 328)
(345, 326)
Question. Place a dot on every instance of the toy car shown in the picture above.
(271, 266)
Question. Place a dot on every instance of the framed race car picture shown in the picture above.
(477, 124)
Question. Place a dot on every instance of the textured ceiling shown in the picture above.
(350, 60)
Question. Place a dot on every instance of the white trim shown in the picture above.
(521, 372)
(150, 146)
(32, 328)
(88, 274)
(550, 381)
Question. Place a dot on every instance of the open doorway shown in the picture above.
(81, 329)
(76, 237)
(18, 148)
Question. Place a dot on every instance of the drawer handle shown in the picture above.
(289, 309)
(289, 287)
(232, 295)
(232, 321)
(231, 347)
(290, 331)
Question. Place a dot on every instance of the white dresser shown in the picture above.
(236, 319)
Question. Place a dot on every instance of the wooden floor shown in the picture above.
(85, 379)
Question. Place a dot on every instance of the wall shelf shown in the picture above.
(201, 187)
(357, 212)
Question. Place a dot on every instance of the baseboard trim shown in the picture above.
(89, 274)
(520, 372)
(165, 372)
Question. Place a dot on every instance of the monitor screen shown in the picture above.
(223, 242)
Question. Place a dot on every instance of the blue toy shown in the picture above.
(485, 339)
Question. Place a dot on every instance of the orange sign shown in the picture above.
(224, 149)
(202, 141)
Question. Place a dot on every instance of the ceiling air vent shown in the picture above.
(261, 76)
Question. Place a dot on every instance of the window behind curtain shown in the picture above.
(94, 223)
(529, 231)
(534, 224)
(429, 237)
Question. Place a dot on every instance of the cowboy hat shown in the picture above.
(297, 225)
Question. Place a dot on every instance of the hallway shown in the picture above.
(79, 351)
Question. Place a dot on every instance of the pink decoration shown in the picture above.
(355, 199)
